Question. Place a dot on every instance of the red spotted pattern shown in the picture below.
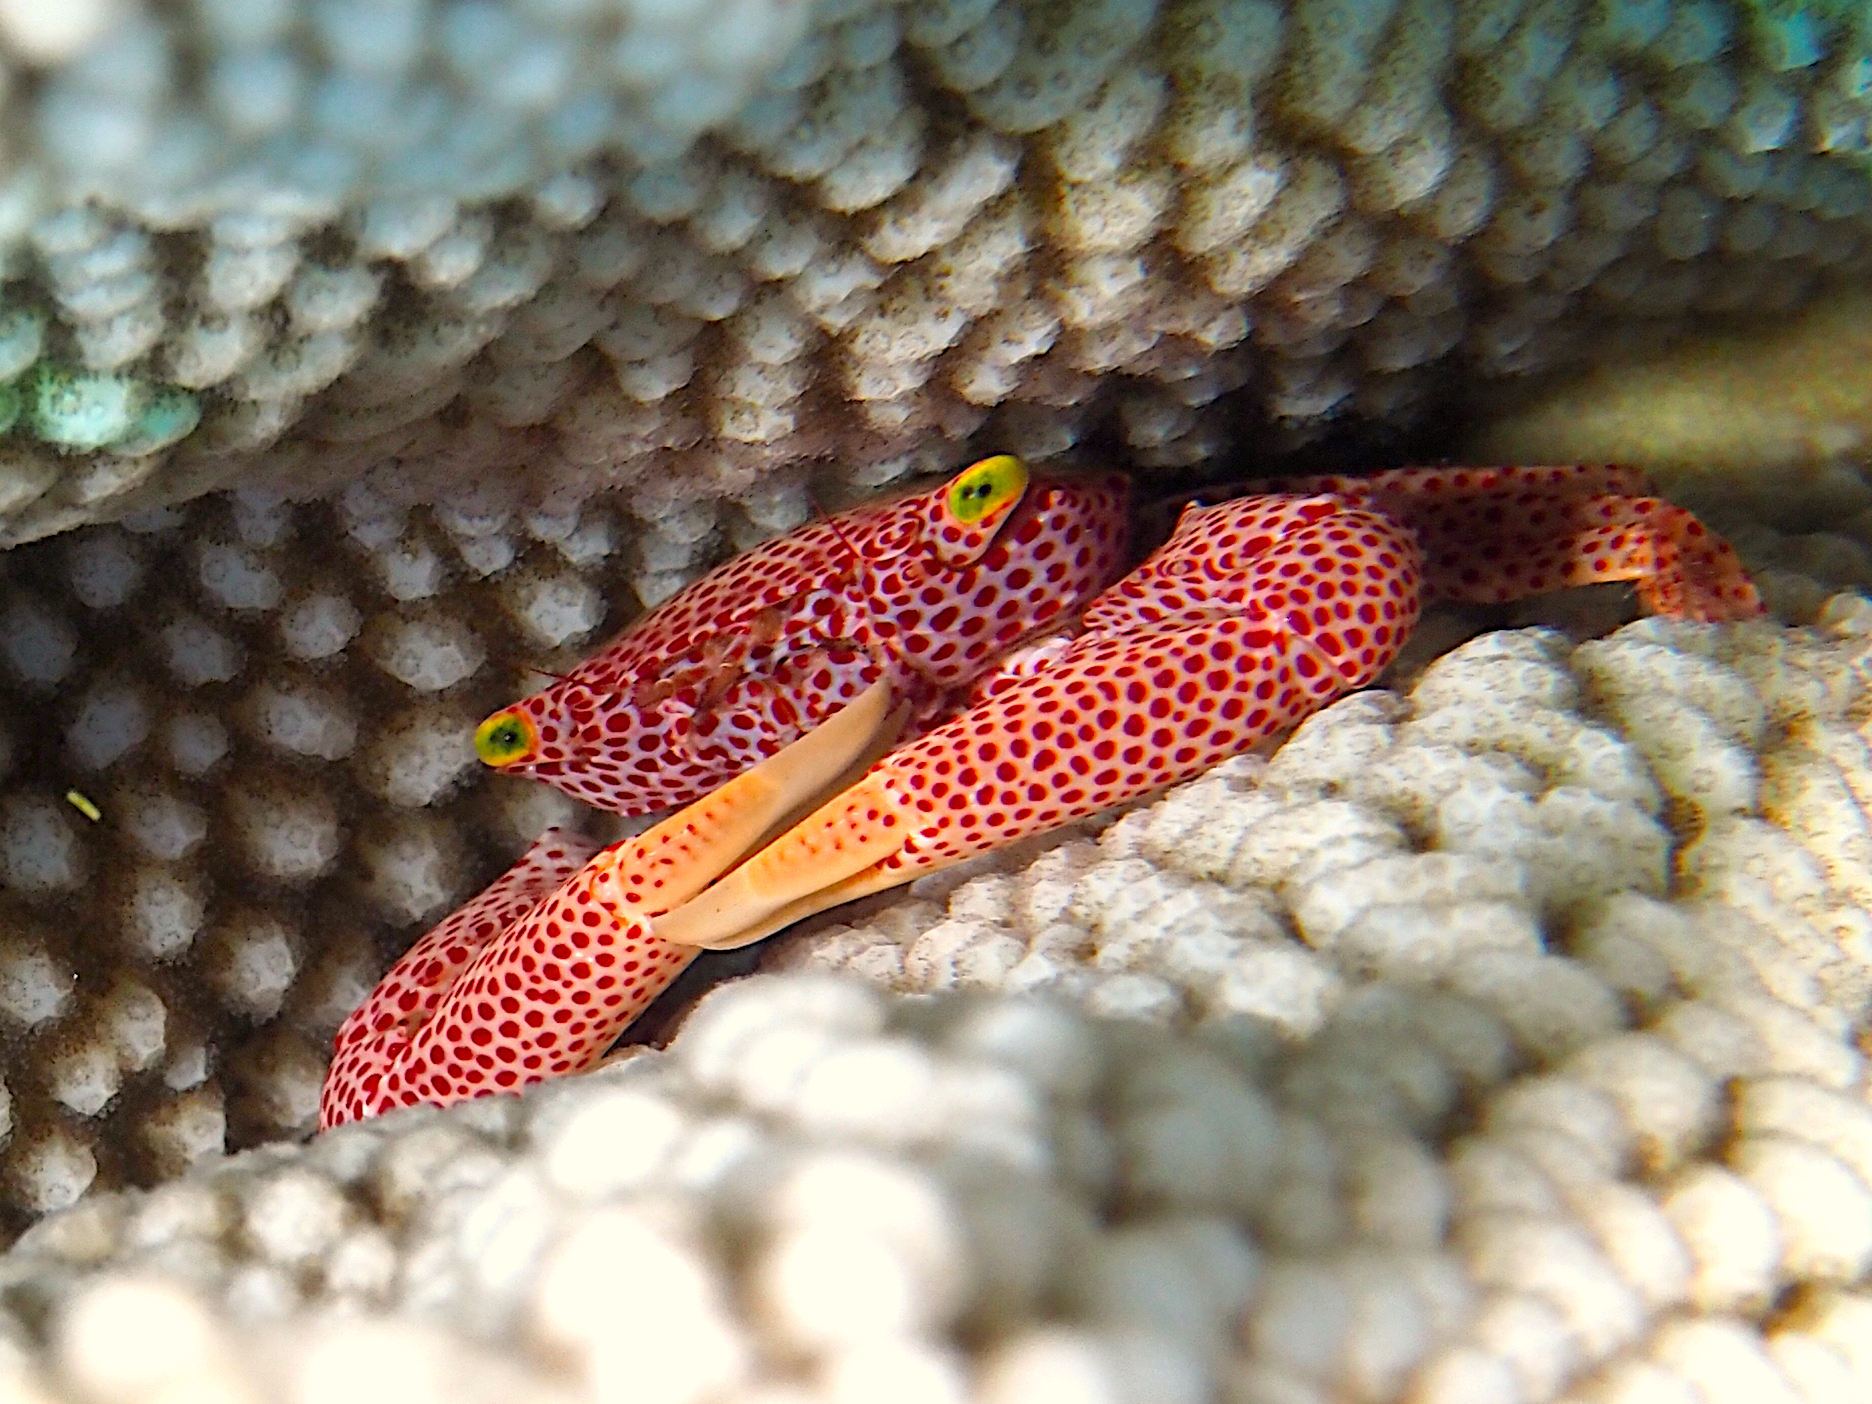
(380, 1032)
(1489, 535)
(546, 1000)
(1254, 614)
(751, 657)
(576, 962)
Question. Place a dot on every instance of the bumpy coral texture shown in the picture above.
(1492, 1042)
(1385, 1108)
(487, 254)
(271, 712)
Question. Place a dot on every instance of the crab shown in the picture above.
(931, 678)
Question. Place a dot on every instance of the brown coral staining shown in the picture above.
(1753, 403)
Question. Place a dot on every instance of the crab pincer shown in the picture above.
(539, 984)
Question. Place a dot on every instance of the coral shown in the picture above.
(1491, 1040)
(269, 710)
(492, 257)
(270, 707)
(77, 410)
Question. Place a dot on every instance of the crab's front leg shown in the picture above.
(527, 983)
(377, 1036)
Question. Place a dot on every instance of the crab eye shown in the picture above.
(985, 488)
(506, 738)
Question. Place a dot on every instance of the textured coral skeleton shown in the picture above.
(1492, 1040)
(498, 257)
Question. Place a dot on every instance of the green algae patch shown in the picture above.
(81, 410)
(169, 417)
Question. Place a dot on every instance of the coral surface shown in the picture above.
(1492, 1041)
(497, 255)
(270, 709)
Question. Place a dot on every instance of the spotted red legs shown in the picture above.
(1490, 535)
(1256, 612)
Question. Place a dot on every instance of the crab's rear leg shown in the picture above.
(1490, 535)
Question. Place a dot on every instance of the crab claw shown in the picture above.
(674, 866)
(833, 855)
(539, 975)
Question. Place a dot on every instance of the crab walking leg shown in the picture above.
(1278, 609)
(553, 990)
(1489, 535)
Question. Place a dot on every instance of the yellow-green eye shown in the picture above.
(506, 738)
(986, 487)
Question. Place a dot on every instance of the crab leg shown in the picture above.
(571, 969)
(1489, 535)
(377, 1031)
